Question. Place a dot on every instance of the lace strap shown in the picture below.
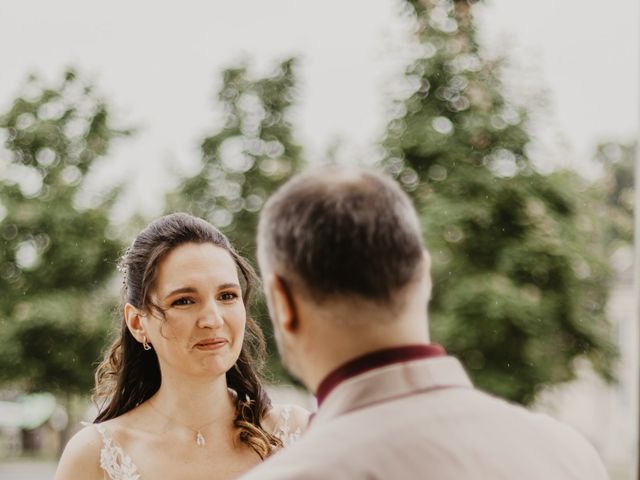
(113, 459)
(107, 442)
(284, 431)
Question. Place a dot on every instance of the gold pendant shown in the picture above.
(200, 440)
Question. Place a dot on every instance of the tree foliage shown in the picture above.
(519, 268)
(248, 158)
(56, 255)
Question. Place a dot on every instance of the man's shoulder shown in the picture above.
(520, 417)
(312, 458)
(461, 427)
(548, 441)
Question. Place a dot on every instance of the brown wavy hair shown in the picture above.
(130, 375)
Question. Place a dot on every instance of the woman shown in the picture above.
(180, 392)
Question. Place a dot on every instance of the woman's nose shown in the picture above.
(211, 316)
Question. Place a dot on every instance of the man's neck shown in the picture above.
(354, 342)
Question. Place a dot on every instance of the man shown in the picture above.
(347, 281)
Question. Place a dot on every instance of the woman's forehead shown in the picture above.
(196, 262)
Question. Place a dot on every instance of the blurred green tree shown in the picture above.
(248, 157)
(58, 251)
(520, 272)
(244, 161)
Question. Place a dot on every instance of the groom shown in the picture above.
(347, 281)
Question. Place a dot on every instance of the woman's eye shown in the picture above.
(228, 296)
(182, 301)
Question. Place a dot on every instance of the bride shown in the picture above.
(179, 388)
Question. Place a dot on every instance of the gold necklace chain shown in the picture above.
(199, 438)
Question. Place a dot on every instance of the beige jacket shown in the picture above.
(423, 419)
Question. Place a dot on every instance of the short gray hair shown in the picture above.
(342, 232)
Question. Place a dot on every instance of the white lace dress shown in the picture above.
(117, 465)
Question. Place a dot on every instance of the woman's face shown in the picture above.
(204, 317)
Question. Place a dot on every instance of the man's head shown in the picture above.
(344, 245)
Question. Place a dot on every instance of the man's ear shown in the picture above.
(427, 272)
(284, 305)
(134, 317)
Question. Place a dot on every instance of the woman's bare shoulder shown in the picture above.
(81, 456)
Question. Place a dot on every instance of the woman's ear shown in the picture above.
(134, 317)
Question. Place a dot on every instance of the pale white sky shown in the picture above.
(158, 63)
(585, 54)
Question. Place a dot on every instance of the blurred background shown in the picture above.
(512, 124)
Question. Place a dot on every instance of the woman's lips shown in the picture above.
(211, 344)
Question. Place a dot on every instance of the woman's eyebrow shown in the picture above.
(181, 290)
(223, 286)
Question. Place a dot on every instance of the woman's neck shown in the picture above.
(193, 402)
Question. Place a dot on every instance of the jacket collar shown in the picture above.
(373, 360)
(391, 382)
